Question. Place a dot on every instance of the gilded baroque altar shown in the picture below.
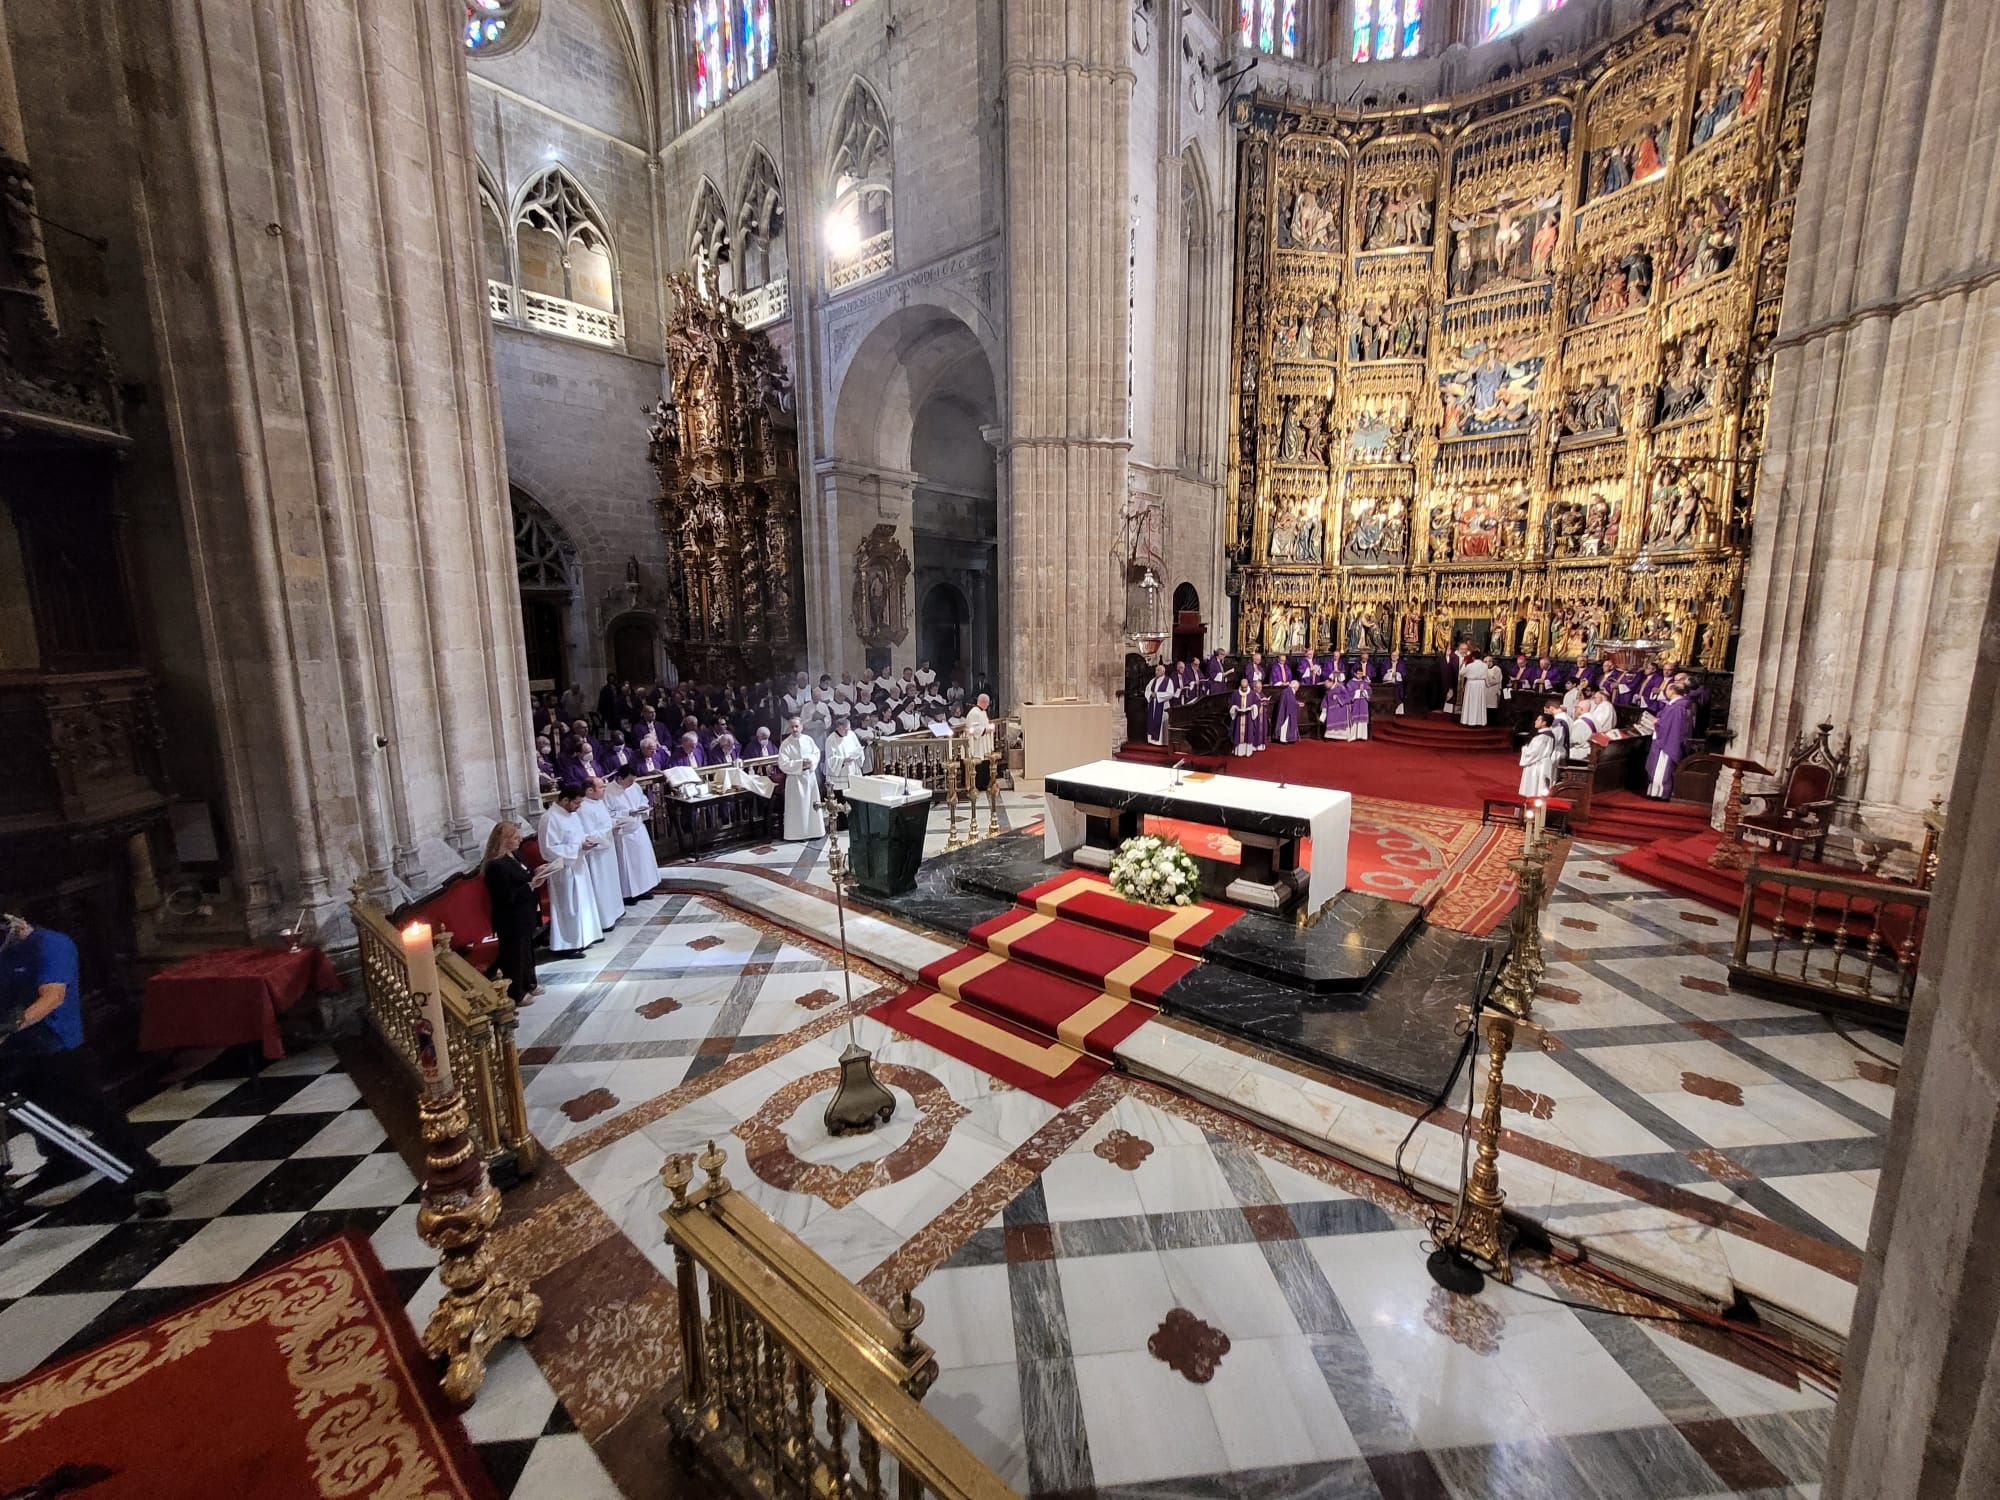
(1490, 355)
(724, 443)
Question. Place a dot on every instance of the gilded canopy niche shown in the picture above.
(1490, 355)
(725, 446)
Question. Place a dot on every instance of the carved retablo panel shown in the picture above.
(1487, 359)
(724, 444)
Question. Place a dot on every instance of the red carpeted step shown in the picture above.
(1118, 965)
(1082, 1016)
(1440, 733)
(1081, 896)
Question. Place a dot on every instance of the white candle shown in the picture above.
(1539, 818)
(420, 963)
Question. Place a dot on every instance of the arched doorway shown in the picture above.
(633, 646)
(545, 567)
(1189, 633)
(941, 630)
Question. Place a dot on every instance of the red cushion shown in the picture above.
(460, 906)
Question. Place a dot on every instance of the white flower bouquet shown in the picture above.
(1155, 871)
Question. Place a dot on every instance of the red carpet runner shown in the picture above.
(1042, 995)
(304, 1380)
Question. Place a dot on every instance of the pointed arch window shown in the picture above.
(860, 222)
(1268, 26)
(1198, 319)
(1386, 29)
(728, 43)
(565, 278)
(763, 295)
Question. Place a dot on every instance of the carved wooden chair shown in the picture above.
(1796, 815)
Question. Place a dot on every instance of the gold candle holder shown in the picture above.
(460, 1204)
(993, 795)
(952, 840)
(1477, 1230)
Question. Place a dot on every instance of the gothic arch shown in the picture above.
(1200, 318)
(710, 242)
(760, 222)
(548, 578)
(860, 190)
(496, 238)
(553, 204)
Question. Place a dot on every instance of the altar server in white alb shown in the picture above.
(798, 758)
(638, 869)
(601, 857)
(846, 757)
(573, 923)
(1541, 757)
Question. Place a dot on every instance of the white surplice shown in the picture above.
(1538, 764)
(573, 919)
(798, 758)
(638, 867)
(978, 732)
(602, 861)
(846, 758)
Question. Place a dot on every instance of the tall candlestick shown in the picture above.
(420, 963)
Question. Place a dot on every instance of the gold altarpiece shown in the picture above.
(1490, 355)
(725, 446)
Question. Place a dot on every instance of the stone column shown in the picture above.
(307, 213)
(1876, 531)
(1919, 1411)
(1068, 93)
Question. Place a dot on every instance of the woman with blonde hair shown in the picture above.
(517, 909)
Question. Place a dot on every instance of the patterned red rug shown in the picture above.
(1082, 896)
(304, 1380)
(1438, 858)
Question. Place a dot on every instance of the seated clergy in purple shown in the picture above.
(545, 766)
(1392, 672)
(1285, 715)
(1310, 671)
(651, 759)
(689, 754)
(1187, 681)
(1246, 720)
(1366, 669)
(1652, 693)
(1218, 670)
(1671, 728)
(1546, 677)
(577, 765)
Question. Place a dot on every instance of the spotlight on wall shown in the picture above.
(843, 233)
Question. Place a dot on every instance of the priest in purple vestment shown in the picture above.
(1246, 720)
(1187, 681)
(1285, 716)
(1652, 693)
(1392, 672)
(1670, 735)
(689, 754)
(1336, 711)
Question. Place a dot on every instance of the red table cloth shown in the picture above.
(230, 997)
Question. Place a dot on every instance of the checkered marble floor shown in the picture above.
(256, 1170)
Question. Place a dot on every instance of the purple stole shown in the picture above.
(1159, 693)
(1309, 672)
(1653, 690)
(574, 770)
(692, 759)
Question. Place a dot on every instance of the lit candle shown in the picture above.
(420, 963)
(1540, 817)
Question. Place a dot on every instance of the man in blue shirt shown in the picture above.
(43, 1056)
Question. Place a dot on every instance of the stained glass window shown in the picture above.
(1385, 29)
(730, 42)
(1503, 16)
(496, 26)
(1269, 26)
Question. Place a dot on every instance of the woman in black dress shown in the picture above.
(517, 909)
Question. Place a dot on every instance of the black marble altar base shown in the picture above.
(1370, 990)
(886, 844)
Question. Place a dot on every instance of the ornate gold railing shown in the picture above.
(1837, 943)
(794, 1383)
(479, 1023)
